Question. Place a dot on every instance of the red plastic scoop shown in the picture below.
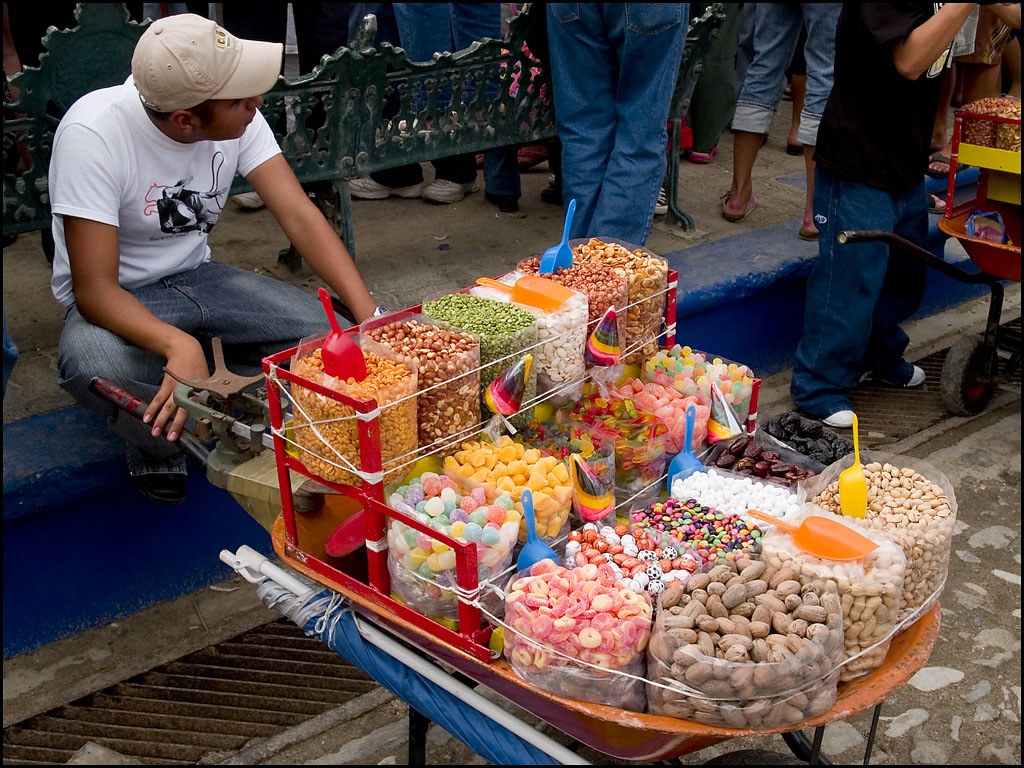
(823, 537)
(342, 358)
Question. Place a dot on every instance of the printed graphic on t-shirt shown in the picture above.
(181, 209)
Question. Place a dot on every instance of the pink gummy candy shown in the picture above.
(496, 514)
(479, 496)
(542, 626)
(559, 606)
(468, 504)
(432, 486)
(447, 482)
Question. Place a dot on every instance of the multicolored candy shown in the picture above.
(603, 345)
(595, 501)
(505, 394)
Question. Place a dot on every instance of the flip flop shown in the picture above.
(808, 234)
(702, 158)
(737, 217)
(938, 157)
(936, 204)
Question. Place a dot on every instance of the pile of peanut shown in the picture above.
(447, 365)
(646, 283)
(386, 381)
(869, 593)
(917, 515)
(756, 647)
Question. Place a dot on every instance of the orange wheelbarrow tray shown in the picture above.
(619, 733)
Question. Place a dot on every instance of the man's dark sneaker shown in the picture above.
(552, 193)
(505, 203)
(162, 487)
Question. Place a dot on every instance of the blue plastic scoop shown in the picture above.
(559, 256)
(685, 463)
(535, 549)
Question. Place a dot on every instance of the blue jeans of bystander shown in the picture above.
(254, 316)
(776, 31)
(857, 294)
(614, 69)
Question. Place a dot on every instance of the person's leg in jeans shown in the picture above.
(649, 40)
(842, 293)
(744, 45)
(820, 20)
(777, 28)
(10, 353)
(582, 65)
(901, 294)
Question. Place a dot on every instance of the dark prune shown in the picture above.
(770, 456)
(752, 451)
(781, 467)
(761, 468)
(775, 430)
(796, 475)
(725, 461)
(746, 463)
(738, 445)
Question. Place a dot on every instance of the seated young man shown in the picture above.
(139, 175)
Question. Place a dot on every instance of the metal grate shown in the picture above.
(887, 415)
(215, 700)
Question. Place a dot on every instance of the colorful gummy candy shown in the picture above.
(427, 565)
(667, 404)
(691, 374)
(713, 535)
(585, 614)
(638, 559)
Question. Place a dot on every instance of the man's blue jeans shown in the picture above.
(776, 31)
(253, 315)
(614, 68)
(857, 294)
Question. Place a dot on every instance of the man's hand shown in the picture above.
(187, 360)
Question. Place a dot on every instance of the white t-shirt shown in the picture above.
(112, 165)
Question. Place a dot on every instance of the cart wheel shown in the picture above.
(965, 384)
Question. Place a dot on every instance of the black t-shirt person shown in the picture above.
(877, 125)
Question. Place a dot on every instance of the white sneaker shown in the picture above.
(250, 200)
(916, 379)
(840, 420)
(661, 207)
(366, 188)
(444, 191)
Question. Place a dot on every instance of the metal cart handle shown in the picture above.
(916, 251)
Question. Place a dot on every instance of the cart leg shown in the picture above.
(871, 734)
(803, 749)
(418, 725)
(995, 310)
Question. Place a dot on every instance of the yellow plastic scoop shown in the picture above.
(853, 485)
(823, 537)
(533, 291)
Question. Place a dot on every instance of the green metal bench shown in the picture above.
(360, 110)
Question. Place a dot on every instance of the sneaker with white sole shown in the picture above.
(444, 191)
(840, 419)
(916, 379)
(250, 200)
(366, 188)
(661, 207)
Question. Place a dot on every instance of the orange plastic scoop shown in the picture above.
(823, 537)
(533, 291)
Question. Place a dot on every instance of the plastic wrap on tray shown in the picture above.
(509, 467)
(561, 335)
(327, 431)
(422, 568)
(914, 504)
(646, 285)
(738, 646)
(869, 589)
(447, 365)
(502, 329)
(569, 631)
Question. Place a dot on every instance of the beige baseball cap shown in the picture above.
(183, 60)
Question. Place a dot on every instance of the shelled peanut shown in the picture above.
(646, 284)
(869, 593)
(748, 645)
(916, 514)
(327, 431)
(448, 375)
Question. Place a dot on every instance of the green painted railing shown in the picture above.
(362, 109)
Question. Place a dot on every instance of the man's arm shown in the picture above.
(93, 251)
(311, 234)
(913, 54)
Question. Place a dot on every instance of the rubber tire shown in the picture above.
(962, 392)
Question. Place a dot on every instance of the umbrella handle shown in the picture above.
(788, 527)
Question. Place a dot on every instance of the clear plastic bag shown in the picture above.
(869, 590)
(502, 329)
(691, 372)
(554, 623)
(447, 365)
(922, 526)
(733, 666)
(327, 432)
